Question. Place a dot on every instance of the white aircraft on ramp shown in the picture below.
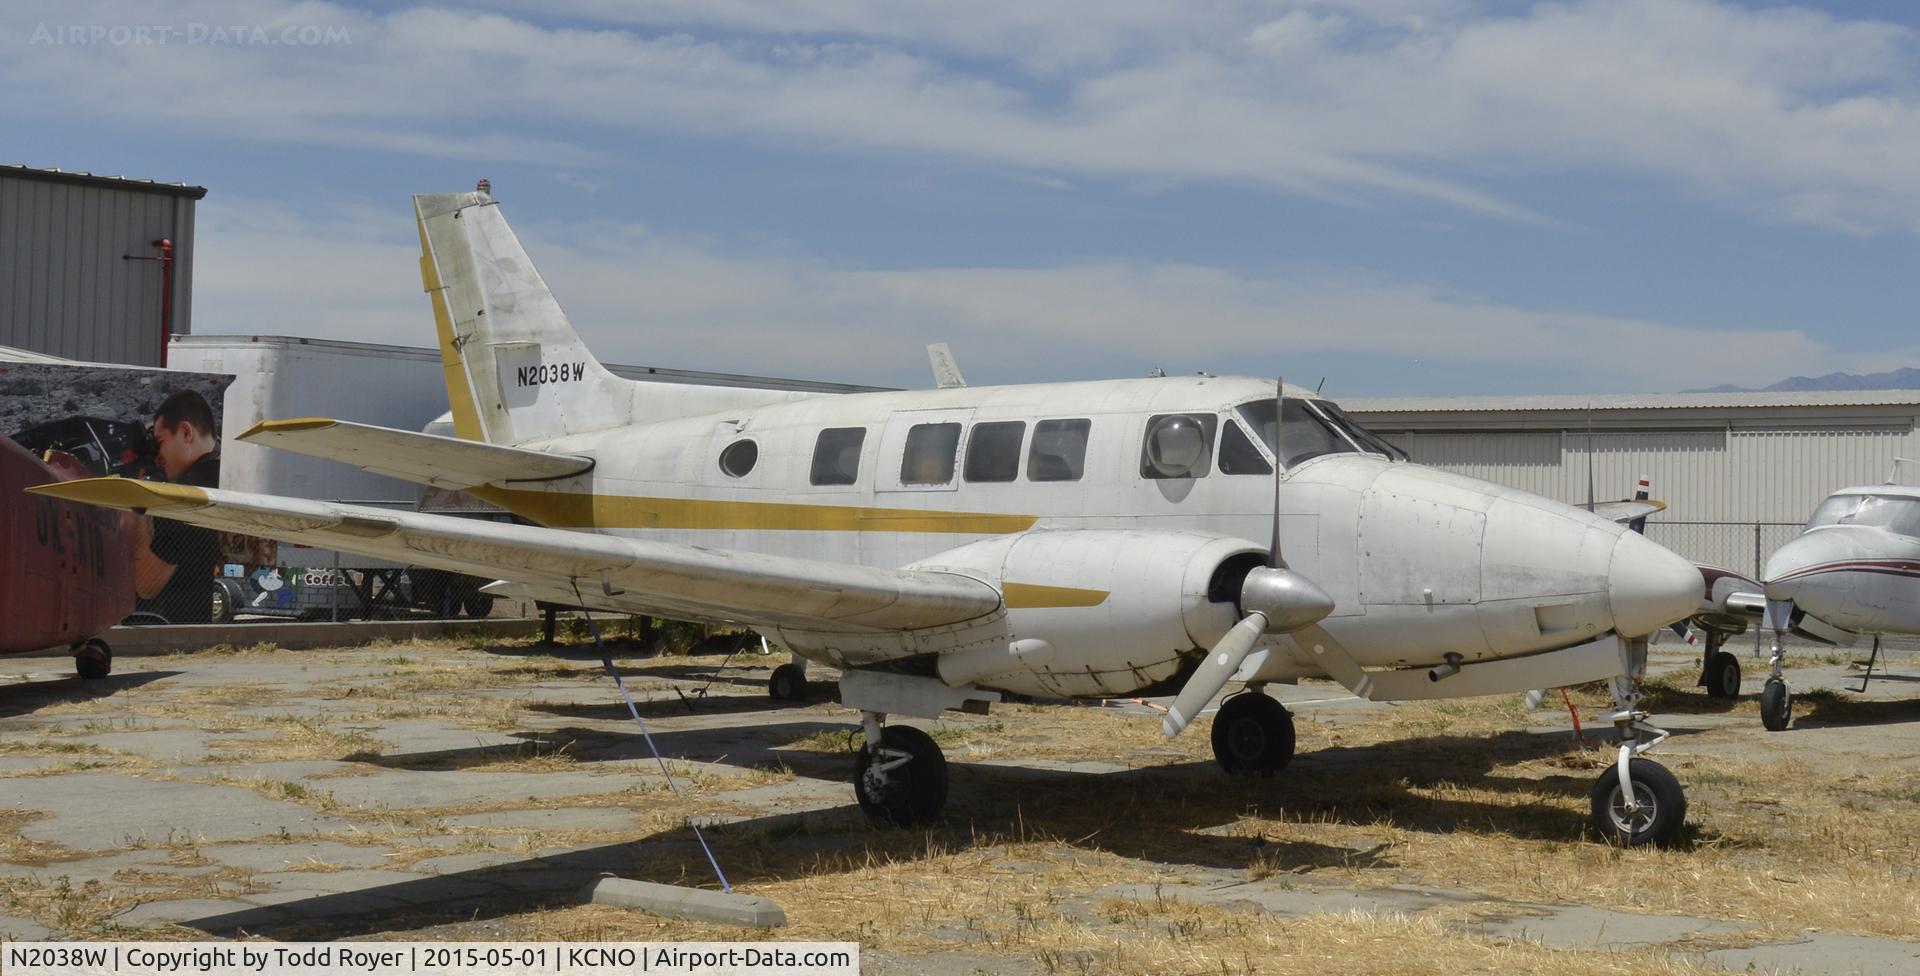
(1855, 570)
(942, 547)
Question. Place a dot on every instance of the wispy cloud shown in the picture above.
(1791, 114)
(642, 297)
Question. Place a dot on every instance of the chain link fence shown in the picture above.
(1739, 546)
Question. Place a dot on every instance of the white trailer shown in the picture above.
(281, 377)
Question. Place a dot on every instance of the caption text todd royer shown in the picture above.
(200, 959)
(441, 958)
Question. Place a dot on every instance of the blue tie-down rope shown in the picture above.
(606, 660)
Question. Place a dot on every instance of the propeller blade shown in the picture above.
(1214, 672)
(1274, 558)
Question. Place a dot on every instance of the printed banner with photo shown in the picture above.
(87, 421)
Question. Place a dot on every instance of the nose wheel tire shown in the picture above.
(903, 782)
(787, 683)
(92, 660)
(1660, 806)
(1723, 676)
(1776, 706)
(1252, 735)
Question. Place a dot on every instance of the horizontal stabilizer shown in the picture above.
(628, 575)
(1628, 510)
(427, 459)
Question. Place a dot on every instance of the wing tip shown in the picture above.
(287, 426)
(124, 493)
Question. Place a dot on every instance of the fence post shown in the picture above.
(1757, 556)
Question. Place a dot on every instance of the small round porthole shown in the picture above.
(739, 458)
(1176, 446)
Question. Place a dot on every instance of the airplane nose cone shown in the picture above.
(1650, 586)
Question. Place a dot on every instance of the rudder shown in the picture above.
(515, 369)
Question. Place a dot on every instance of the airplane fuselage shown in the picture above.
(1857, 567)
(1421, 564)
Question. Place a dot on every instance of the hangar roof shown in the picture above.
(1632, 401)
(22, 171)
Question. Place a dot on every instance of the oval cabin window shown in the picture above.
(739, 458)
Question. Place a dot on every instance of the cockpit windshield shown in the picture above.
(1309, 429)
(1899, 514)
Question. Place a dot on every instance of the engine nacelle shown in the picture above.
(1098, 611)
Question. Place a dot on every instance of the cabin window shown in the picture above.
(836, 455)
(930, 452)
(739, 458)
(993, 451)
(1237, 453)
(1178, 445)
(1059, 451)
(1302, 435)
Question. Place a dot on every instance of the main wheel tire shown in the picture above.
(1723, 676)
(1776, 706)
(93, 660)
(1662, 806)
(479, 606)
(787, 683)
(911, 793)
(1252, 735)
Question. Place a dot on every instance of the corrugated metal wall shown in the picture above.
(1715, 475)
(1733, 495)
(65, 286)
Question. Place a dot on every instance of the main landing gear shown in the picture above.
(1252, 734)
(1636, 801)
(789, 681)
(899, 776)
(92, 659)
(1719, 670)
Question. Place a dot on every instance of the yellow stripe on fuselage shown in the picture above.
(1034, 596)
(579, 510)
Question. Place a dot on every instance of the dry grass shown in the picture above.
(1474, 796)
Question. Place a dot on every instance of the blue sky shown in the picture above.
(1403, 197)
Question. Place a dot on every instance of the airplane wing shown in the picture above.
(428, 459)
(1628, 510)
(611, 573)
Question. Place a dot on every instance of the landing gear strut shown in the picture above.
(1253, 734)
(899, 776)
(1636, 801)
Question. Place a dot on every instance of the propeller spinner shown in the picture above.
(1275, 600)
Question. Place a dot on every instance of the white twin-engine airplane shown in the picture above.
(942, 547)
(1855, 570)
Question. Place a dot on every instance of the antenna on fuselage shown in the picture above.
(1893, 476)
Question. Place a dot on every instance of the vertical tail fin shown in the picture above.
(516, 370)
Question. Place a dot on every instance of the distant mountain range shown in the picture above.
(1899, 379)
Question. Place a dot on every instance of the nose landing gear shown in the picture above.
(1636, 801)
(1776, 699)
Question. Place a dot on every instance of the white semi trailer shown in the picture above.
(280, 377)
